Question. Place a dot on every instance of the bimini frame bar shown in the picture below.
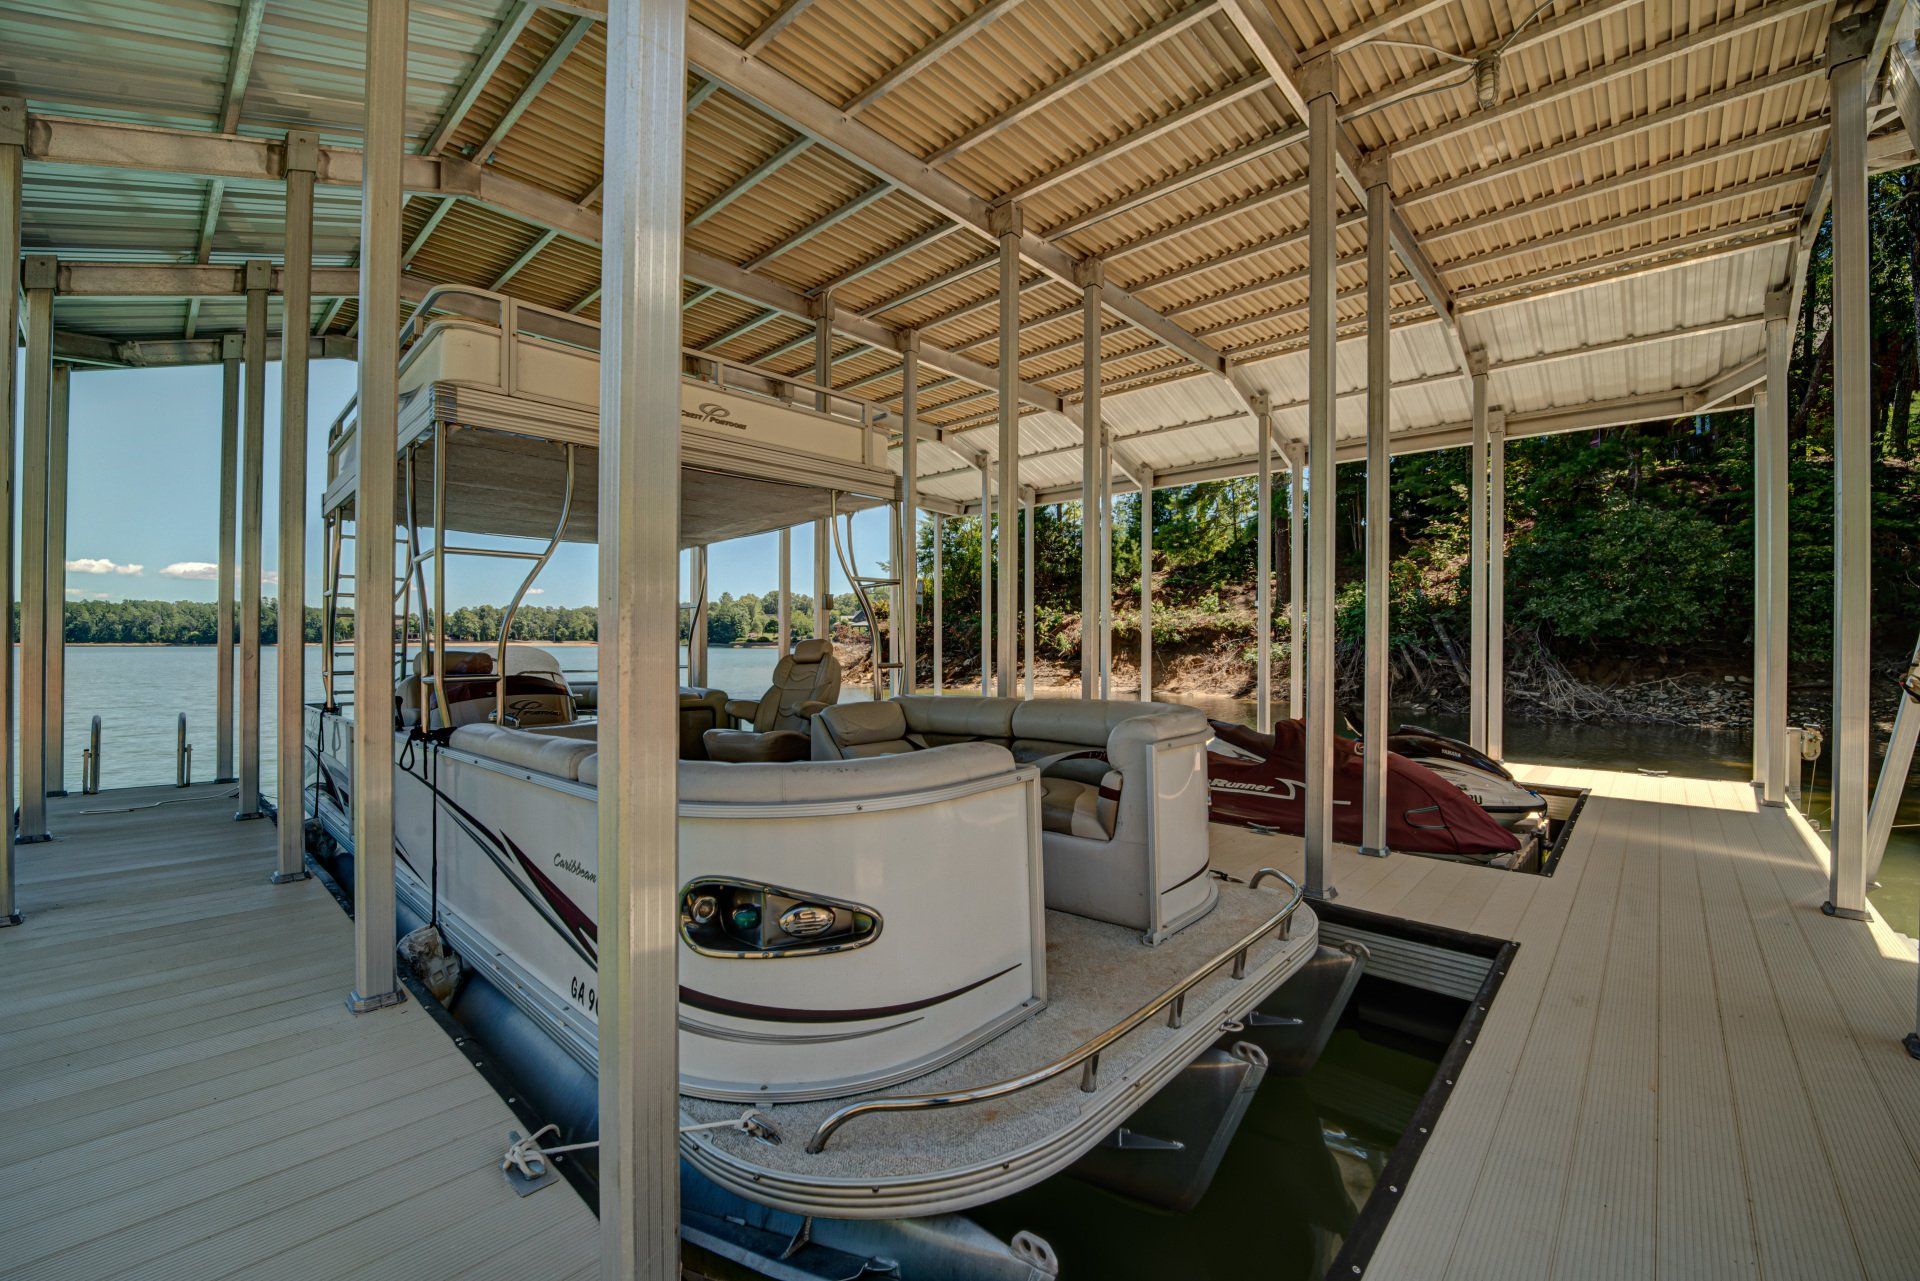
(435, 640)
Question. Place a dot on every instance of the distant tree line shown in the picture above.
(730, 620)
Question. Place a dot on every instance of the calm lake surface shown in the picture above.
(139, 691)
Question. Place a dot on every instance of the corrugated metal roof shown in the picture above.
(1628, 135)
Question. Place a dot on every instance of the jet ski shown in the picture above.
(1255, 780)
(1512, 804)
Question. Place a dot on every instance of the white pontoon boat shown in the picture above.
(952, 954)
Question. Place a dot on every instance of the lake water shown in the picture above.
(138, 691)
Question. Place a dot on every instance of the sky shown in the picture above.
(143, 504)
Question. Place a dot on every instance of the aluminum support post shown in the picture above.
(1477, 557)
(1373, 731)
(823, 350)
(56, 593)
(374, 985)
(822, 580)
(1106, 563)
(1296, 575)
(1775, 517)
(1851, 84)
(1496, 584)
(1263, 565)
(1092, 281)
(1007, 226)
(232, 347)
(1762, 746)
(13, 139)
(1026, 610)
(939, 605)
(1323, 125)
(986, 577)
(783, 616)
(253, 477)
(1146, 585)
(640, 480)
(905, 609)
(290, 675)
(39, 274)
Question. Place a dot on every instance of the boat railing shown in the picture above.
(1087, 1057)
(799, 394)
(518, 320)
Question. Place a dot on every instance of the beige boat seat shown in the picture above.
(779, 723)
(700, 710)
(537, 692)
(1123, 791)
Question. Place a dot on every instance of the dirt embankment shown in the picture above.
(1213, 657)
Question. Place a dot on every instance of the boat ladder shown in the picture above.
(886, 670)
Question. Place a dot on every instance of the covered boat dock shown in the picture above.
(1084, 251)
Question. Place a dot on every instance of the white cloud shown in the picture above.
(536, 591)
(100, 565)
(271, 578)
(80, 594)
(205, 571)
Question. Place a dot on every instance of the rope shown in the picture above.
(529, 1158)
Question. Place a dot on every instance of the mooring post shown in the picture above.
(290, 676)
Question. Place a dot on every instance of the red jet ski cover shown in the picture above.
(1425, 813)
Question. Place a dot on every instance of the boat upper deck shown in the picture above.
(1688, 1070)
(188, 1097)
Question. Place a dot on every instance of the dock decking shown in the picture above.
(1688, 1072)
(186, 1095)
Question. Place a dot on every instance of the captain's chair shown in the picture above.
(780, 721)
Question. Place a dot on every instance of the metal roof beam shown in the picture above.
(887, 258)
(1262, 33)
(933, 284)
(246, 43)
(806, 113)
(60, 140)
(1398, 15)
(742, 329)
(1756, 19)
(153, 353)
(1632, 178)
(826, 221)
(1536, 34)
(1511, 167)
(782, 18)
(1119, 55)
(1289, 137)
(427, 228)
(747, 182)
(1154, 128)
(1885, 19)
(477, 79)
(549, 66)
(527, 255)
(190, 280)
(977, 21)
(1624, 412)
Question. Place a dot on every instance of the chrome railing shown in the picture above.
(1087, 1057)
